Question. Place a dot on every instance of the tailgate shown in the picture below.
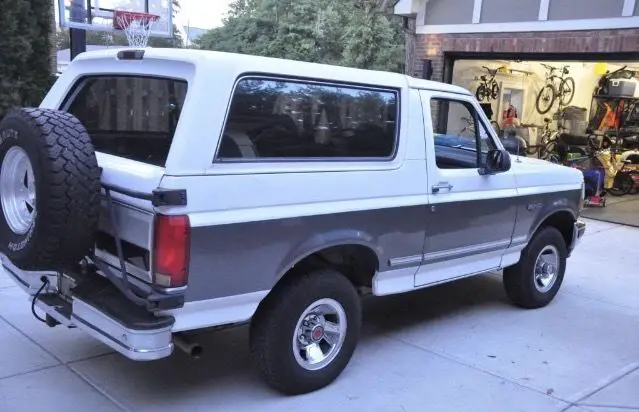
(127, 181)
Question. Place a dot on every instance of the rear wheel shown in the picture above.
(535, 280)
(622, 184)
(481, 92)
(305, 331)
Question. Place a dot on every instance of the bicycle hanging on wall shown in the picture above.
(488, 88)
(560, 87)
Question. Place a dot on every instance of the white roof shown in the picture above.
(245, 63)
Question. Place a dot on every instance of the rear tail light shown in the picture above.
(171, 245)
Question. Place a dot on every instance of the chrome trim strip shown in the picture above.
(519, 240)
(466, 250)
(405, 261)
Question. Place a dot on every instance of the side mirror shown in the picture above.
(497, 161)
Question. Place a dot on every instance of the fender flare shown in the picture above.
(321, 241)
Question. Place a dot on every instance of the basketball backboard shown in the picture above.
(97, 15)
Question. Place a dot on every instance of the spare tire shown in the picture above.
(49, 189)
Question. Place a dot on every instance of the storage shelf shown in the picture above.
(599, 96)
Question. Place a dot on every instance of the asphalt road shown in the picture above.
(456, 347)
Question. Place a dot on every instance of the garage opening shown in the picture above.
(579, 112)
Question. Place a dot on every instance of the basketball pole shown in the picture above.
(77, 37)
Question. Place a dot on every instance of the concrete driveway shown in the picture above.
(456, 347)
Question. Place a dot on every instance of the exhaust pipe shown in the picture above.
(192, 349)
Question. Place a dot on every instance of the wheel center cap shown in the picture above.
(548, 269)
(317, 333)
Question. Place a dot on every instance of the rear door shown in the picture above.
(472, 216)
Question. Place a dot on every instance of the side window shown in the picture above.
(276, 119)
(461, 139)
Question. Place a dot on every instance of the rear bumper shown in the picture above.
(578, 231)
(102, 312)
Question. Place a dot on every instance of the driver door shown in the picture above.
(472, 216)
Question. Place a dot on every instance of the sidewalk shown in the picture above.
(456, 347)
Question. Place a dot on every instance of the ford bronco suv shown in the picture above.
(156, 192)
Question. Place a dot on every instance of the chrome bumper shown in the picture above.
(137, 344)
(578, 231)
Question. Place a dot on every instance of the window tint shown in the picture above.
(288, 119)
(132, 117)
(458, 134)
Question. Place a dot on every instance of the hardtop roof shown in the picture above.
(245, 63)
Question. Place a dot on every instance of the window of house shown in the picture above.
(461, 140)
(284, 119)
(130, 116)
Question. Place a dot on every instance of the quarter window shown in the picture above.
(130, 116)
(279, 119)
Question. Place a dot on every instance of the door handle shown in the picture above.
(441, 185)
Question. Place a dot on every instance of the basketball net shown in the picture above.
(135, 25)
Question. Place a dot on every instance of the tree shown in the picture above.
(357, 33)
(25, 67)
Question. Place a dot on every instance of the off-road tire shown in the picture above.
(519, 280)
(273, 327)
(67, 187)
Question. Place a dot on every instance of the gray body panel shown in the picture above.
(462, 225)
(247, 257)
(242, 258)
(533, 210)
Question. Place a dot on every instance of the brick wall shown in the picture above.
(433, 46)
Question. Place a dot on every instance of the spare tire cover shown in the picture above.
(49, 189)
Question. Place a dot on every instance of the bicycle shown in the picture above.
(488, 88)
(550, 92)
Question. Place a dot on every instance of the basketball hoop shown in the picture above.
(136, 25)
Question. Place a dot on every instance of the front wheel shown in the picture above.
(535, 280)
(567, 91)
(305, 332)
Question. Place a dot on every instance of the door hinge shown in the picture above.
(169, 197)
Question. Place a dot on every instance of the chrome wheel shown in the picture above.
(17, 190)
(319, 334)
(546, 268)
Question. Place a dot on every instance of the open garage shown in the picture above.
(558, 79)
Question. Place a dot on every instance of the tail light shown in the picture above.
(171, 245)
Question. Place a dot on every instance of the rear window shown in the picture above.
(130, 116)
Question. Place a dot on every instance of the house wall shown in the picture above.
(436, 46)
(503, 11)
(584, 9)
(480, 16)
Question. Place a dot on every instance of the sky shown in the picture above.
(203, 14)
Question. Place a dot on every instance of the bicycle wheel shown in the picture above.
(494, 91)
(567, 90)
(546, 99)
(549, 152)
(481, 92)
(622, 184)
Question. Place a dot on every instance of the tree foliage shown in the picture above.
(25, 66)
(356, 33)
